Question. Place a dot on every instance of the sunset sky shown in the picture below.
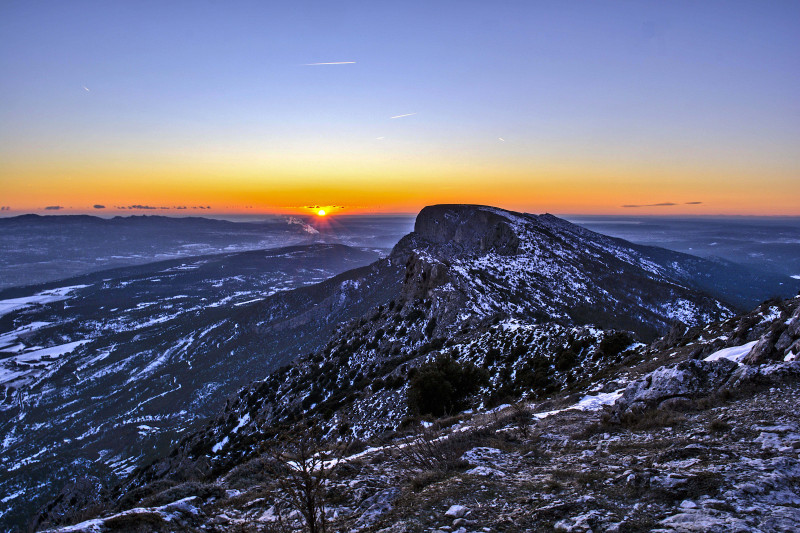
(561, 107)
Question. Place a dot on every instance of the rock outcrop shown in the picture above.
(686, 380)
(469, 228)
(770, 357)
(780, 342)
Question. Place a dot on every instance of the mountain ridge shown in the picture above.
(427, 310)
(539, 301)
(583, 441)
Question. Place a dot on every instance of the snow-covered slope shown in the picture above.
(475, 262)
(533, 300)
(103, 374)
(674, 434)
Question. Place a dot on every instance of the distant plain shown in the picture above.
(42, 249)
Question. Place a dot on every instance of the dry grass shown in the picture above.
(184, 490)
(138, 523)
(718, 426)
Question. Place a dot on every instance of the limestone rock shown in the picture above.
(376, 505)
(456, 511)
(687, 379)
(763, 351)
(468, 228)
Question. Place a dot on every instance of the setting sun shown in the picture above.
(321, 212)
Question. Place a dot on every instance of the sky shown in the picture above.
(561, 107)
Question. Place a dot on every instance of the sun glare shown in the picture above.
(321, 212)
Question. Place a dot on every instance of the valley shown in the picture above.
(104, 373)
(186, 368)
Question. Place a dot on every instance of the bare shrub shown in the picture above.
(302, 467)
(436, 455)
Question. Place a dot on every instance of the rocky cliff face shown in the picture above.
(468, 228)
(478, 262)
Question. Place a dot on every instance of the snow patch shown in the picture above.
(45, 297)
(53, 351)
(12, 336)
(590, 402)
(221, 444)
(735, 354)
(242, 421)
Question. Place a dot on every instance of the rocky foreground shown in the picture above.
(699, 431)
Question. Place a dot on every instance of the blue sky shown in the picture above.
(574, 89)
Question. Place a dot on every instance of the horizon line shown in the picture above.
(221, 214)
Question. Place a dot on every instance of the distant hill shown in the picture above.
(39, 249)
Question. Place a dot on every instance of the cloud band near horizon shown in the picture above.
(661, 204)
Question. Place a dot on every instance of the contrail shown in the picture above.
(406, 115)
(330, 63)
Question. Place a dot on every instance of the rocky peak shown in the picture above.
(470, 228)
(473, 261)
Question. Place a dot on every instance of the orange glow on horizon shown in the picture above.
(383, 186)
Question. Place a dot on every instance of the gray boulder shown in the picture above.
(688, 379)
(374, 506)
(763, 351)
